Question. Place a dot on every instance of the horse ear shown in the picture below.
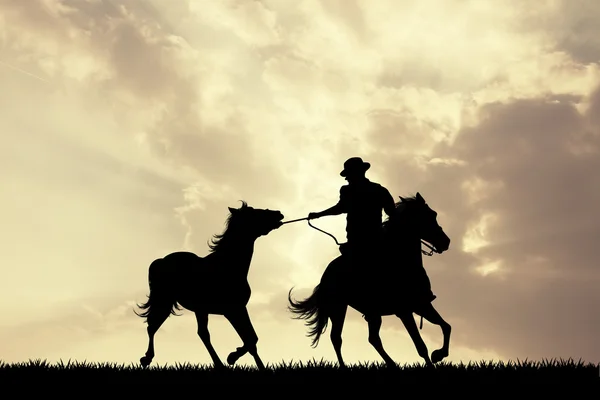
(420, 198)
(401, 198)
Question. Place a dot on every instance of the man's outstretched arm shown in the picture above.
(337, 209)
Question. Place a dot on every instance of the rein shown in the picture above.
(427, 253)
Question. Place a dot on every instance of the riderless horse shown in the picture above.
(214, 284)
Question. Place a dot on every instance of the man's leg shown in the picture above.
(352, 254)
(366, 267)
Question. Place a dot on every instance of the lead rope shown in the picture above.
(321, 230)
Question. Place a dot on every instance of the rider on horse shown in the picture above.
(362, 201)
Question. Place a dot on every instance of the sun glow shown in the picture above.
(476, 236)
(489, 268)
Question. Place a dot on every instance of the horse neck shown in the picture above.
(406, 243)
(236, 253)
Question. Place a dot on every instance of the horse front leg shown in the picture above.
(411, 327)
(234, 356)
(430, 314)
(240, 320)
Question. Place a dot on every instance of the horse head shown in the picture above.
(417, 215)
(255, 221)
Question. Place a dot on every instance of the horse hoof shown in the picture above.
(219, 366)
(145, 361)
(232, 358)
(438, 355)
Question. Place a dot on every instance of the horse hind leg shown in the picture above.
(430, 314)
(374, 322)
(156, 317)
(202, 320)
(337, 317)
(162, 302)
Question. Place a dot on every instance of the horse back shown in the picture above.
(182, 256)
(334, 268)
(185, 260)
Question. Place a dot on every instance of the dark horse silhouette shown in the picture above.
(215, 284)
(393, 283)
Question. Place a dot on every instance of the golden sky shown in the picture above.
(129, 126)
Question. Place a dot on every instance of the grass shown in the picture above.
(553, 371)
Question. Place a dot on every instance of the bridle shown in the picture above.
(427, 253)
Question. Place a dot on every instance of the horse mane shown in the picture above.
(219, 240)
(400, 207)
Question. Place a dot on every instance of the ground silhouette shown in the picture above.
(214, 284)
(387, 279)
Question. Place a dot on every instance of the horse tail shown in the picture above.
(313, 310)
(162, 296)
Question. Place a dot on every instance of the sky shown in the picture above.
(128, 128)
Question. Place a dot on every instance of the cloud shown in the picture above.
(572, 27)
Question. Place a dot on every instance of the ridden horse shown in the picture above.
(391, 282)
(214, 284)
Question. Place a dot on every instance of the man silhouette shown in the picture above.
(362, 201)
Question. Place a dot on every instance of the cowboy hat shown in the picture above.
(355, 164)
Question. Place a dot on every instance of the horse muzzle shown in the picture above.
(443, 247)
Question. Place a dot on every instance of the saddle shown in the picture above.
(347, 249)
(364, 260)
